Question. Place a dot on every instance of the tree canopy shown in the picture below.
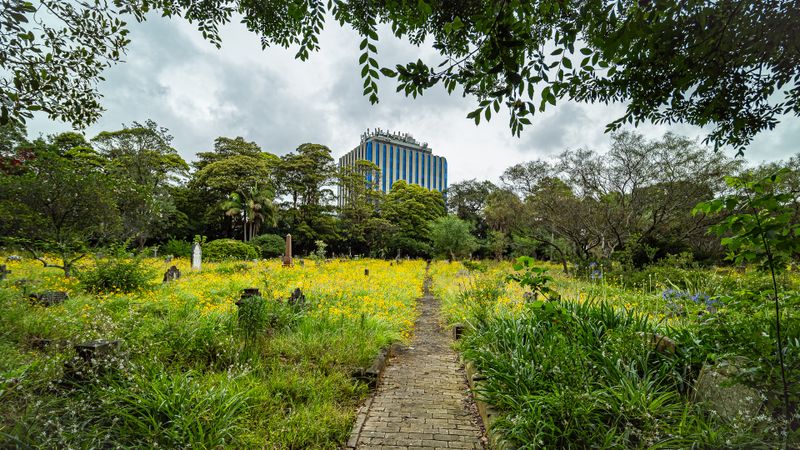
(731, 65)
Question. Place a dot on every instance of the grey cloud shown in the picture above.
(179, 80)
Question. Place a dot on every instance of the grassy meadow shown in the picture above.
(582, 371)
(189, 371)
(194, 369)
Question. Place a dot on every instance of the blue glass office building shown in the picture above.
(399, 157)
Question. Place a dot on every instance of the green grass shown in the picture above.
(182, 379)
(580, 373)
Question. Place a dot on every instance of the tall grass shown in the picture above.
(585, 376)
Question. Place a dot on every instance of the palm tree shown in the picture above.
(254, 206)
(234, 206)
(259, 208)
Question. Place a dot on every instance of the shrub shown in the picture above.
(223, 249)
(116, 274)
(474, 266)
(178, 248)
(269, 245)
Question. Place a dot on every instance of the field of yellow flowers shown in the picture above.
(183, 374)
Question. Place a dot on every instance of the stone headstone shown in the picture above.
(94, 350)
(172, 274)
(287, 255)
(248, 293)
(366, 272)
(14, 258)
(3, 272)
(197, 256)
(458, 331)
(49, 298)
(297, 298)
(41, 343)
(302, 263)
(168, 259)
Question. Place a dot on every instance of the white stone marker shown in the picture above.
(197, 256)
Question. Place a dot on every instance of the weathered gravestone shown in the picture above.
(297, 298)
(458, 331)
(14, 258)
(96, 350)
(49, 298)
(172, 274)
(94, 358)
(40, 343)
(3, 272)
(168, 259)
(287, 256)
(197, 256)
(366, 272)
(248, 293)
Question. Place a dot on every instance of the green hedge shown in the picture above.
(227, 249)
(269, 245)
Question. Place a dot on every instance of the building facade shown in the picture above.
(398, 157)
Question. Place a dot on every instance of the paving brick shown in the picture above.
(420, 402)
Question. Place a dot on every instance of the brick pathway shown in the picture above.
(422, 400)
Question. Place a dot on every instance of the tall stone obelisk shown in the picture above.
(287, 257)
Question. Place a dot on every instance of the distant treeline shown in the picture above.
(65, 193)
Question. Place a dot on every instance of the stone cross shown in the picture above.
(287, 256)
(3, 272)
(197, 256)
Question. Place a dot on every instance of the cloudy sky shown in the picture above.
(173, 76)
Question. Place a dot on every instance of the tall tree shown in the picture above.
(645, 190)
(467, 200)
(452, 238)
(359, 204)
(254, 207)
(234, 166)
(305, 177)
(524, 178)
(411, 209)
(59, 205)
(14, 147)
(145, 164)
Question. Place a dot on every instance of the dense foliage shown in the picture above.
(632, 204)
(671, 61)
(588, 368)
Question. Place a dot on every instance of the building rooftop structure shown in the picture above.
(402, 139)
